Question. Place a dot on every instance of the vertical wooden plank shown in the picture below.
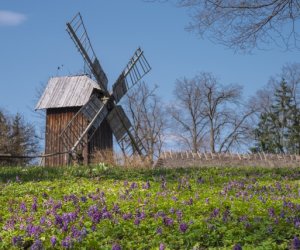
(56, 120)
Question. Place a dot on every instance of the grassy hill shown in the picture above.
(104, 207)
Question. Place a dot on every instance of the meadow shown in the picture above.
(106, 207)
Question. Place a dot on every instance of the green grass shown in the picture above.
(257, 208)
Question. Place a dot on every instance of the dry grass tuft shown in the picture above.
(118, 159)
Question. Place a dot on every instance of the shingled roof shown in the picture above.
(67, 91)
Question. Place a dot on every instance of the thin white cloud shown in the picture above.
(10, 18)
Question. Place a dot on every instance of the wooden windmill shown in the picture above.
(90, 123)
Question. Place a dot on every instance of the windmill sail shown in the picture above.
(133, 72)
(77, 32)
(123, 131)
(75, 133)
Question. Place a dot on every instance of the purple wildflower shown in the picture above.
(34, 230)
(168, 221)
(179, 214)
(147, 185)
(67, 242)
(71, 197)
(94, 214)
(37, 245)
(17, 240)
(23, 207)
(200, 180)
(83, 199)
(34, 205)
(162, 246)
(278, 186)
(116, 246)
(237, 247)
(127, 216)
(159, 230)
(140, 215)
(53, 240)
(107, 215)
(226, 214)
(242, 218)
(57, 205)
(137, 221)
(295, 243)
(29, 219)
(133, 185)
(160, 214)
(65, 227)
(83, 232)
(69, 217)
(174, 198)
(116, 208)
(215, 213)
(76, 233)
(189, 202)
(58, 221)
(183, 227)
(271, 212)
(10, 223)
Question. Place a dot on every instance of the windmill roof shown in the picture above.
(67, 91)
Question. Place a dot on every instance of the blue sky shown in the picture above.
(34, 43)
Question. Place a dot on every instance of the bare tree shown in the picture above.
(148, 117)
(206, 109)
(189, 121)
(291, 73)
(245, 24)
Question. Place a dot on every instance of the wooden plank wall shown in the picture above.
(102, 139)
(56, 120)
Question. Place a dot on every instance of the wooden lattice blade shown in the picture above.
(78, 33)
(123, 131)
(137, 67)
(94, 112)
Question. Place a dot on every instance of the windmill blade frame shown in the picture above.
(95, 112)
(78, 34)
(123, 131)
(134, 71)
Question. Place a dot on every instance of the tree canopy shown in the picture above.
(17, 138)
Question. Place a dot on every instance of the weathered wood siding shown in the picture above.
(102, 139)
(56, 120)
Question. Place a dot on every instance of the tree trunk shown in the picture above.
(212, 138)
